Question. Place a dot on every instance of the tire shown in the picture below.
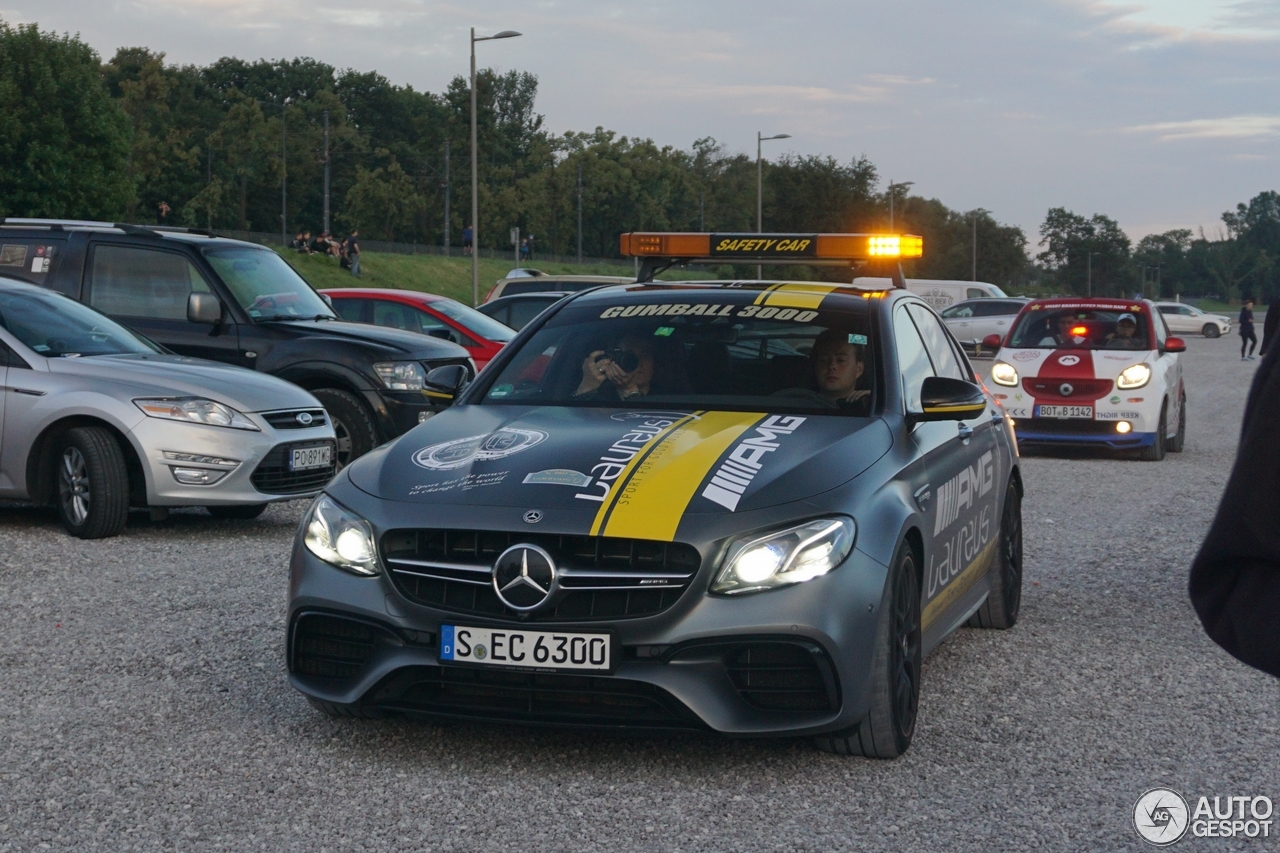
(244, 512)
(91, 483)
(1210, 330)
(355, 712)
(352, 423)
(1155, 452)
(1179, 439)
(887, 729)
(1000, 610)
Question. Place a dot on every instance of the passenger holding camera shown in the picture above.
(617, 374)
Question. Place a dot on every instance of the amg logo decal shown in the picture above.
(960, 492)
(742, 464)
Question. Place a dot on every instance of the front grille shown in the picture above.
(532, 698)
(273, 477)
(1067, 426)
(1048, 389)
(289, 419)
(600, 577)
(779, 676)
(331, 647)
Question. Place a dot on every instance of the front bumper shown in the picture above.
(1082, 433)
(779, 662)
(164, 445)
(397, 412)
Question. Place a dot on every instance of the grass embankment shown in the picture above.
(437, 274)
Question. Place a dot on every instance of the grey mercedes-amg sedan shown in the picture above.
(97, 419)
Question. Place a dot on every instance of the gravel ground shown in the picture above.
(144, 705)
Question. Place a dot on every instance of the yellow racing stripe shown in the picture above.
(804, 296)
(959, 585)
(652, 496)
(607, 507)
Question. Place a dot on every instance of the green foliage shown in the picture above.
(1086, 255)
(64, 143)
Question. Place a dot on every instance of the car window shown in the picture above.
(393, 315)
(716, 350)
(56, 326)
(1170, 309)
(524, 310)
(264, 285)
(937, 344)
(975, 293)
(1187, 311)
(127, 281)
(959, 311)
(479, 324)
(913, 361)
(1082, 326)
(351, 310)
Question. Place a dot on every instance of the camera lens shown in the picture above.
(625, 359)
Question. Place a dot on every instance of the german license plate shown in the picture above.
(1064, 412)
(302, 458)
(538, 649)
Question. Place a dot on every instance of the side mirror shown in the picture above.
(447, 381)
(947, 399)
(204, 308)
(991, 342)
(1175, 345)
(328, 300)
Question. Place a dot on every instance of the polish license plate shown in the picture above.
(535, 649)
(1085, 412)
(302, 458)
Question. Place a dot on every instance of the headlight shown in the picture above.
(1134, 376)
(401, 375)
(194, 410)
(788, 556)
(1004, 374)
(341, 538)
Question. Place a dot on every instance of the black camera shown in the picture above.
(625, 359)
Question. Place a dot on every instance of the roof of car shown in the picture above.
(548, 278)
(782, 288)
(375, 292)
(1099, 301)
(167, 232)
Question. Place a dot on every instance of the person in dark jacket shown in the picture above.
(1270, 326)
(1247, 336)
(1235, 579)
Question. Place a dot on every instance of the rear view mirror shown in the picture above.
(945, 399)
(447, 381)
(1175, 345)
(991, 342)
(204, 308)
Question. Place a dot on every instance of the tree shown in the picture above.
(383, 201)
(64, 143)
(1086, 255)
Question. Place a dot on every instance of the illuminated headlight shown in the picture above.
(401, 375)
(1004, 374)
(340, 537)
(1134, 376)
(788, 556)
(194, 410)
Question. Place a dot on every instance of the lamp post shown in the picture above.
(475, 183)
(284, 166)
(892, 187)
(973, 274)
(760, 188)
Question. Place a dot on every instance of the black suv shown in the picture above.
(201, 295)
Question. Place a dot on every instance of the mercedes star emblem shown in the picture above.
(524, 577)
(1066, 389)
(533, 516)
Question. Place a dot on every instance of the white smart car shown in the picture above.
(1092, 372)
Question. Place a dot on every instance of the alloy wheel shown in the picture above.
(905, 665)
(1012, 545)
(73, 485)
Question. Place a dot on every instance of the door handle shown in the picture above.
(965, 432)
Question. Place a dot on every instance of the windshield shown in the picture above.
(58, 327)
(266, 287)
(716, 350)
(483, 326)
(1083, 327)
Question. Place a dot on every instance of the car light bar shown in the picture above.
(800, 248)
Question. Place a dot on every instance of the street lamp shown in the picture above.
(892, 187)
(284, 168)
(978, 211)
(760, 188)
(475, 184)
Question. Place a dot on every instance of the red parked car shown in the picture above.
(426, 313)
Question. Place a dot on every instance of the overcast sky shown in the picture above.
(1159, 113)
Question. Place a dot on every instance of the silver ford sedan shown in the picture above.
(97, 419)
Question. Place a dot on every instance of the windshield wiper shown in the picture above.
(298, 317)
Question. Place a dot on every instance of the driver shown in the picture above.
(837, 364)
(1125, 335)
(618, 374)
(1063, 337)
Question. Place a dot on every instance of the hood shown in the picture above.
(1071, 363)
(621, 462)
(394, 341)
(160, 375)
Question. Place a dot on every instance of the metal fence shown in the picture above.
(268, 239)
